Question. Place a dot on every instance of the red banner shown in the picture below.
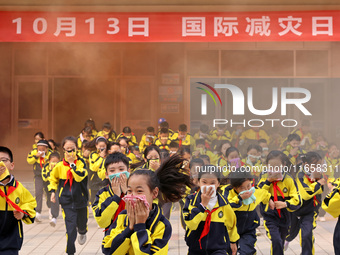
(169, 27)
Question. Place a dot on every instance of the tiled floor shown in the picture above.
(41, 238)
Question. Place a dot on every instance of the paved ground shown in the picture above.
(41, 238)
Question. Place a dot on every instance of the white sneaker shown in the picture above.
(81, 239)
(286, 245)
(53, 222)
(38, 217)
(322, 219)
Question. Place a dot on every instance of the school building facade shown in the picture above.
(54, 87)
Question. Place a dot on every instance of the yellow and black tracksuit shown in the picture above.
(333, 166)
(303, 220)
(212, 156)
(252, 136)
(277, 221)
(221, 221)
(95, 181)
(145, 142)
(111, 135)
(151, 237)
(161, 146)
(247, 218)
(132, 140)
(303, 136)
(216, 138)
(331, 204)
(39, 185)
(46, 172)
(188, 141)
(291, 157)
(207, 139)
(80, 140)
(107, 206)
(70, 184)
(11, 229)
(171, 132)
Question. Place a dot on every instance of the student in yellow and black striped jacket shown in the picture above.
(331, 204)
(244, 198)
(38, 157)
(17, 205)
(311, 183)
(108, 203)
(68, 180)
(284, 193)
(142, 227)
(210, 220)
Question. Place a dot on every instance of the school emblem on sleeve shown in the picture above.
(220, 214)
(285, 190)
(17, 200)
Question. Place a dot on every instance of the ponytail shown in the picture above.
(171, 178)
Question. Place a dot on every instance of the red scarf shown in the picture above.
(302, 134)
(121, 207)
(180, 143)
(69, 173)
(315, 200)
(206, 225)
(42, 162)
(257, 135)
(10, 202)
(276, 189)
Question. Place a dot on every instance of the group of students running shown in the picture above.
(131, 187)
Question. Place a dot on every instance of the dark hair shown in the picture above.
(107, 125)
(55, 155)
(87, 130)
(262, 141)
(7, 151)
(183, 128)
(150, 129)
(134, 148)
(116, 158)
(204, 128)
(220, 145)
(40, 134)
(230, 150)
(278, 154)
(310, 157)
(257, 147)
(150, 148)
(173, 144)
(200, 141)
(70, 139)
(171, 179)
(164, 153)
(292, 137)
(205, 157)
(90, 123)
(127, 130)
(164, 131)
(211, 170)
(122, 138)
(91, 145)
(56, 145)
(112, 144)
(164, 124)
(197, 161)
(238, 177)
(184, 149)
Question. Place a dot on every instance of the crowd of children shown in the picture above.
(226, 182)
